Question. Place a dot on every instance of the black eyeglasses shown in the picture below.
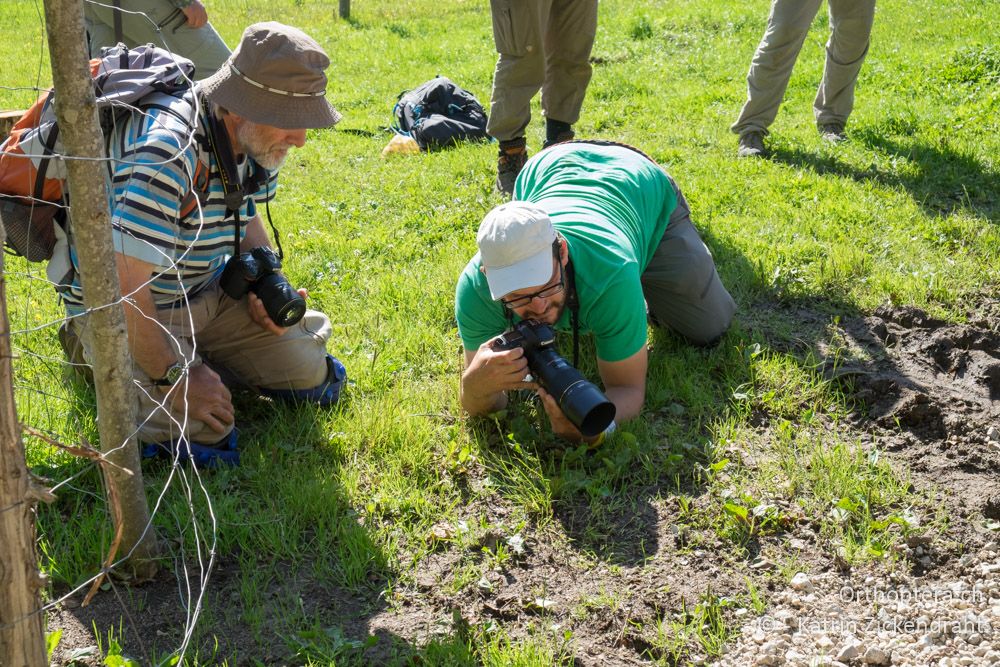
(545, 292)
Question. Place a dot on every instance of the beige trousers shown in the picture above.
(543, 44)
(218, 330)
(787, 27)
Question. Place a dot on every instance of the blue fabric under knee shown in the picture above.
(222, 453)
(325, 395)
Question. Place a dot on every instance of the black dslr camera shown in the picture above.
(257, 271)
(581, 401)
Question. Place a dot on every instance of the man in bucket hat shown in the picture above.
(597, 239)
(187, 177)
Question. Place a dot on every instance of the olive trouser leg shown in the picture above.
(681, 285)
(159, 22)
(542, 45)
(850, 32)
(771, 67)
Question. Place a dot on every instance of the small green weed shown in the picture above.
(328, 646)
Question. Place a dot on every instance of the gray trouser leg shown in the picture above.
(162, 24)
(850, 30)
(771, 67)
(682, 287)
(568, 42)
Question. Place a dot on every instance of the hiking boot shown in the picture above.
(568, 135)
(513, 155)
(833, 132)
(751, 145)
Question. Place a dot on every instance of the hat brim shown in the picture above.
(533, 271)
(264, 107)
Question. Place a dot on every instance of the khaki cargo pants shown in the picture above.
(543, 44)
(771, 68)
(218, 330)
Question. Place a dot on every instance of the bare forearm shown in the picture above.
(628, 401)
(479, 404)
(146, 338)
(148, 341)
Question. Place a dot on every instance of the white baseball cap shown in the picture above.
(515, 247)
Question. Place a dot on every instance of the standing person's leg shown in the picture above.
(99, 33)
(140, 19)
(568, 41)
(520, 71)
(681, 285)
(850, 32)
(771, 67)
(160, 23)
(203, 46)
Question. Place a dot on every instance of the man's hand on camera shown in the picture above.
(204, 397)
(488, 374)
(492, 371)
(561, 426)
(259, 314)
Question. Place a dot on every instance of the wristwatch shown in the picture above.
(174, 373)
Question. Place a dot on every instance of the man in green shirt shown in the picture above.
(603, 222)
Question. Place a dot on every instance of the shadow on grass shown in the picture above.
(940, 179)
(296, 577)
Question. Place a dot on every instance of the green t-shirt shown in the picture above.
(612, 205)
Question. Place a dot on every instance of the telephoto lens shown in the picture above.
(283, 304)
(580, 400)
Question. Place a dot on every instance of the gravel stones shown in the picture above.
(849, 651)
(876, 656)
(801, 582)
(897, 619)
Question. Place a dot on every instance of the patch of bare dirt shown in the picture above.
(149, 620)
(931, 395)
(610, 609)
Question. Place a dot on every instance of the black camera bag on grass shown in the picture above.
(438, 114)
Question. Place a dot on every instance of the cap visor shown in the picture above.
(534, 271)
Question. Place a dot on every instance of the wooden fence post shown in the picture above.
(345, 9)
(22, 638)
(76, 111)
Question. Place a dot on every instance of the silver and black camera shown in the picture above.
(257, 271)
(581, 401)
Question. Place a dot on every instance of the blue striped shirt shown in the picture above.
(159, 213)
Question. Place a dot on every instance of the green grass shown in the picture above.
(736, 437)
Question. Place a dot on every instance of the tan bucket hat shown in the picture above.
(277, 77)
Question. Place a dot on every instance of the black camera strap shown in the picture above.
(573, 301)
(235, 191)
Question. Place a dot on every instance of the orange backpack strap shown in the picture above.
(199, 186)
